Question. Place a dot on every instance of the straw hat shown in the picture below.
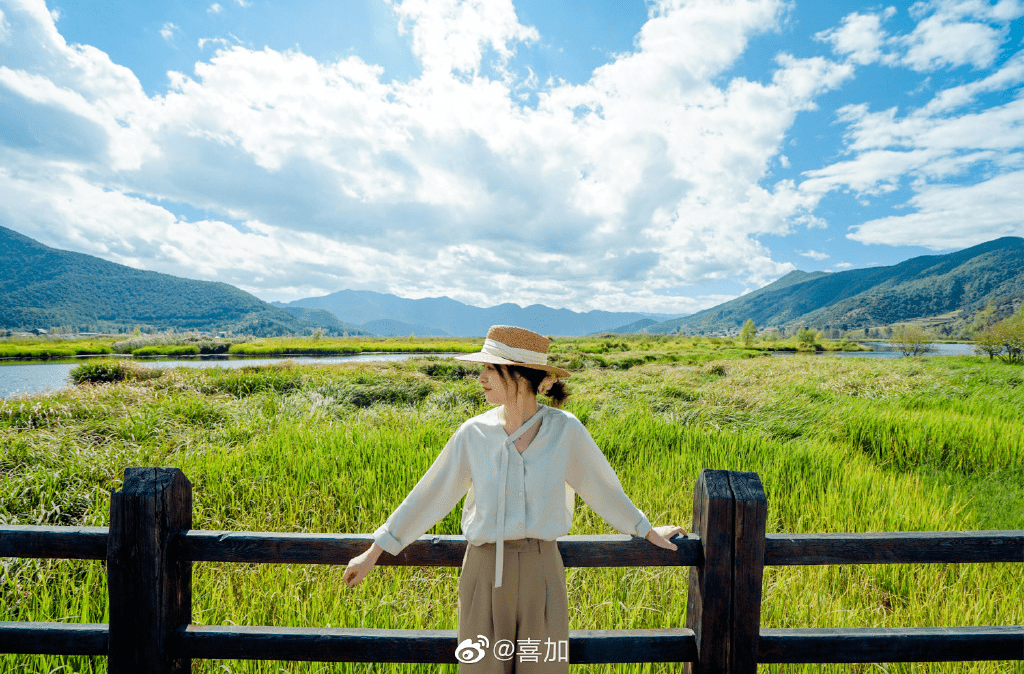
(508, 345)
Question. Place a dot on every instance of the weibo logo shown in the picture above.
(470, 651)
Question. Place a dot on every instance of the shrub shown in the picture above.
(387, 392)
(1010, 333)
(911, 340)
(182, 350)
(988, 341)
(447, 370)
(748, 332)
(253, 379)
(106, 371)
(807, 337)
(714, 369)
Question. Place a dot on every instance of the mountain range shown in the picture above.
(42, 287)
(392, 316)
(921, 287)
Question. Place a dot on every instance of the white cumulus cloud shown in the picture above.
(304, 177)
(954, 216)
(861, 37)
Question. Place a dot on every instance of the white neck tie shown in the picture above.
(499, 560)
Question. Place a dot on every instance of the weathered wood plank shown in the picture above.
(751, 513)
(899, 547)
(53, 542)
(709, 600)
(427, 646)
(294, 548)
(53, 638)
(903, 547)
(895, 644)
(150, 585)
(656, 645)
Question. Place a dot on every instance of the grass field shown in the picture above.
(187, 344)
(841, 444)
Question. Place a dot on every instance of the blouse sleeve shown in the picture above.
(593, 478)
(433, 497)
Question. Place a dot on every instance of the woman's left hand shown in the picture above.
(660, 535)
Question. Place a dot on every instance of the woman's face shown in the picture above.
(494, 391)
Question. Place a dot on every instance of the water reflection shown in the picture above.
(21, 378)
(889, 350)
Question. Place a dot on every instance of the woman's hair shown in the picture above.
(558, 393)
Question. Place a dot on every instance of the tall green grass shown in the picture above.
(840, 445)
(53, 349)
(338, 345)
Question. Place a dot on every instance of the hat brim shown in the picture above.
(481, 357)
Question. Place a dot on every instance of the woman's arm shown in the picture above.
(359, 567)
(660, 536)
(437, 492)
(595, 481)
(433, 497)
(589, 473)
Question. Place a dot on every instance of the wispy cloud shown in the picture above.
(952, 153)
(814, 255)
(215, 8)
(167, 31)
(203, 41)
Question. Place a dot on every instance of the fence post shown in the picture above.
(751, 513)
(709, 602)
(150, 586)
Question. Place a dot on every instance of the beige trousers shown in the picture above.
(525, 621)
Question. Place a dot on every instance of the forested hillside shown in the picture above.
(43, 287)
(921, 287)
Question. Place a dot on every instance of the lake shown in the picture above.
(887, 350)
(18, 378)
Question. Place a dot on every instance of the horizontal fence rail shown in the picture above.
(150, 606)
(53, 638)
(902, 547)
(849, 645)
(53, 542)
(891, 644)
(379, 645)
(895, 547)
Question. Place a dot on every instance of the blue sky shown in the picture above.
(656, 156)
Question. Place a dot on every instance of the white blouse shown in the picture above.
(513, 495)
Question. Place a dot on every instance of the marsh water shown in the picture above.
(20, 378)
(887, 350)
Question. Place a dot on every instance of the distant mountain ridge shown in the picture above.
(41, 287)
(925, 286)
(445, 316)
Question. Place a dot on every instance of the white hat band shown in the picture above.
(511, 353)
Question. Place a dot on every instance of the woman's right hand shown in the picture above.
(359, 567)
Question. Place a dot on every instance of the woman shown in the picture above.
(520, 465)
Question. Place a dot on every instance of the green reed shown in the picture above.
(840, 445)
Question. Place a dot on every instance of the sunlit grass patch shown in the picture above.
(840, 445)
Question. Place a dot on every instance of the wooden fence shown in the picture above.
(150, 547)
